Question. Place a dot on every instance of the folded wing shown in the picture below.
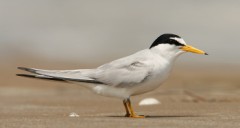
(122, 73)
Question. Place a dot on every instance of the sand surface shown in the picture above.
(188, 100)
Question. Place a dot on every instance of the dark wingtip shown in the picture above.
(26, 75)
(206, 53)
(42, 78)
(27, 69)
(22, 68)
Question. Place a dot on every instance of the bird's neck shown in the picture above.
(167, 52)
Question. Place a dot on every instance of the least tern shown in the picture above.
(135, 74)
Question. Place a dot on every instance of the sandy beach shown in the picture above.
(189, 99)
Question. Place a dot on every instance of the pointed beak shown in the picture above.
(189, 48)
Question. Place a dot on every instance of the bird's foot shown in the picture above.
(134, 116)
(137, 116)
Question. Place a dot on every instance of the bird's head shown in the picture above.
(173, 45)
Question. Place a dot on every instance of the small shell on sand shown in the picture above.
(73, 114)
(149, 101)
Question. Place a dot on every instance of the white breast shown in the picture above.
(159, 75)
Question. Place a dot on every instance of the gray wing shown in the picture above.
(125, 72)
(116, 73)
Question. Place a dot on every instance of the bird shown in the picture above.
(138, 73)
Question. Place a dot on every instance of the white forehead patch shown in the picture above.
(180, 40)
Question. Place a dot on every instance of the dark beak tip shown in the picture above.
(205, 53)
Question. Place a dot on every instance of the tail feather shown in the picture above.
(60, 75)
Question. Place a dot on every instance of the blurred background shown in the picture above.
(71, 34)
(99, 31)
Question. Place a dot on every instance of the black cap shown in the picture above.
(166, 39)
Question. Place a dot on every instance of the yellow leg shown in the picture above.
(129, 109)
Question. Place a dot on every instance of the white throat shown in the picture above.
(167, 51)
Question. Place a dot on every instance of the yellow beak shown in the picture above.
(189, 48)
